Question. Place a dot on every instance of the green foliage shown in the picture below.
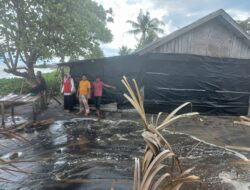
(53, 80)
(148, 28)
(245, 25)
(14, 85)
(124, 50)
(42, 29)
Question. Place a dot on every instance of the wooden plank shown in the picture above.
(245, 118)
(24, 96)
(2, 111)
(34, 99)
(34, 111)
(13, 114)
(13, 100)
(26, 99)
(7, 97)
(58, 101)
(246, 123)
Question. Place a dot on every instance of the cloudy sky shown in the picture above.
(175, 14)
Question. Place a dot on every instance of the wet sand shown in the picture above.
(105, 158)
(218, 130)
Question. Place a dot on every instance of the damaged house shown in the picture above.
(206, 63)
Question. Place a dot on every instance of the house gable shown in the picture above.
(216, 35)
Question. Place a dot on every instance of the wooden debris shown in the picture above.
(44, 122)
(112, 107)
(242, 148)
(243, 121)
(34, 124)
(13, 99)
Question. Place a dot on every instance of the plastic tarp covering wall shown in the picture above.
(111, 70)
(215, 86)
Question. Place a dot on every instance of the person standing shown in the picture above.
(40, 84)
(68, 89)
(98, 91)
(83, 93)
(40, 89)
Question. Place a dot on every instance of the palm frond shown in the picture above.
(168, 122)
(137, 175)
(157, 148)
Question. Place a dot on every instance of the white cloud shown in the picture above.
(122, 11)
(176, 14)
(238, 14)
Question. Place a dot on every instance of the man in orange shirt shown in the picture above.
(83, 93)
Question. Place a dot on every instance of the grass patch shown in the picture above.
(14, 85)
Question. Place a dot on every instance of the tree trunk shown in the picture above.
(31, 77)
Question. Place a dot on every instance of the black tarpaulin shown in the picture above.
(213, 85)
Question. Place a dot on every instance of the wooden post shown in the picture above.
(13, 114)
(2, 110)
(34, 111)
(21, 90)
(57, 100)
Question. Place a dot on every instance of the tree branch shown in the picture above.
(17, 73)
(6, 61)
(16, 58)
(22, 58)
(9, 53)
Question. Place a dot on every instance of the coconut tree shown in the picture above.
(146, 28)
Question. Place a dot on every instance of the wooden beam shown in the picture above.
(2, 111)
(13, 114)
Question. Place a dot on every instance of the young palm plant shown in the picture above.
(149, 175)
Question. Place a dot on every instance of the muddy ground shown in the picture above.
(105, 157)
(218, 130)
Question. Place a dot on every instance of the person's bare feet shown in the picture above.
(78, 113)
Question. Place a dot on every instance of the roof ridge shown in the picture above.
(191, 26)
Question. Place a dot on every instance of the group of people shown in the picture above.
(84, 92)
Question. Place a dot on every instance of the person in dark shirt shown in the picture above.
(40, 89)
(41, 84)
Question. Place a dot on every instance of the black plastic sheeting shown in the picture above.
(215, 86)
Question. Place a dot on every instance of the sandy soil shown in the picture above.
(218, 130)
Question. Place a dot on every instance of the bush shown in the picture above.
(53, 80)
(14, 85)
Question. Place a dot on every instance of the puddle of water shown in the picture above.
(232, 179)
(18, 121)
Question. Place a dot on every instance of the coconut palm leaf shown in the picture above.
(156, 162)
(147, 27)
(170, 121)
(157, 148)
(148, 157)
(137, 175)
(160, 181)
